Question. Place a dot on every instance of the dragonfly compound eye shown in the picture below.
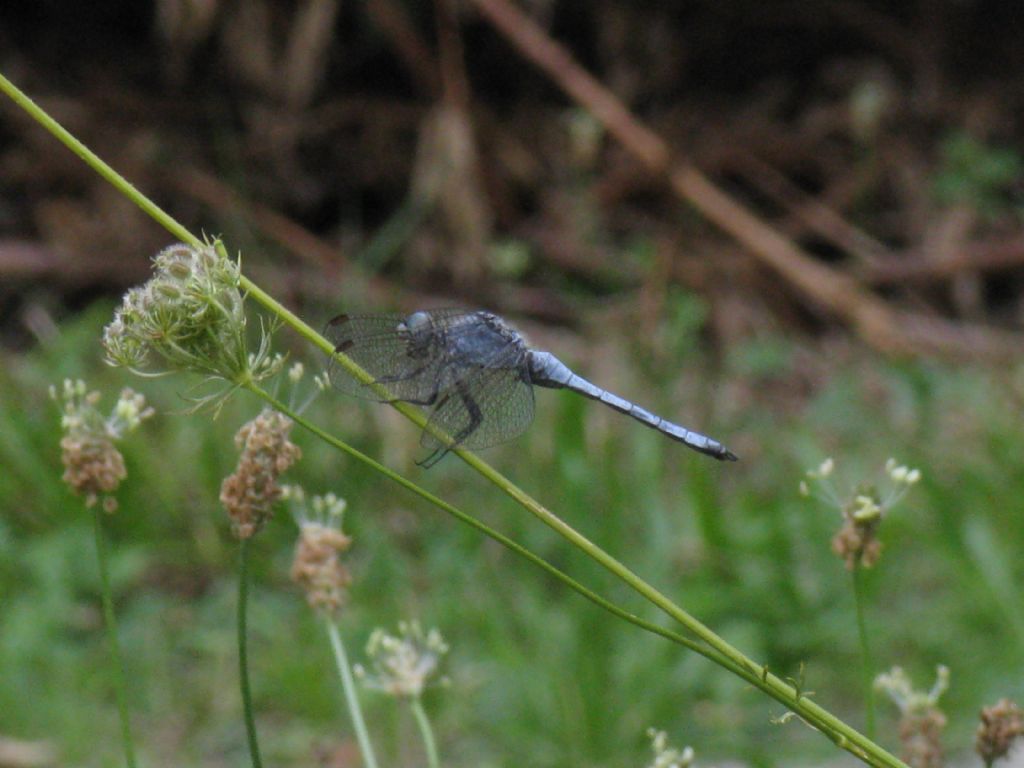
(417, 322)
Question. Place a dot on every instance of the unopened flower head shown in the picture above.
(921, 720)
(93, 466)
(865, 508)
(1001, 726)
(317, 565)
(189, 316)
(403, 665)
(896, 683)
(248, 495)
(666, 756)
(862, 509)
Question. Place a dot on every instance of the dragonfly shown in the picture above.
(473, 372)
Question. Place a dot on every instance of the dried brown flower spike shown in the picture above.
(317, 565)
(248, 495)
(93, 466)
(1001, 725)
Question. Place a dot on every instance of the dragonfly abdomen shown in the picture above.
(546, 370)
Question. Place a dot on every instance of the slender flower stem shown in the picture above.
(243, 653)
(426, 732)
(859, 599)
(110, 621)
(505, 541)
(841, 733)
(349, 687)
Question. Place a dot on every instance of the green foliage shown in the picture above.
(539, 676)
(979, 175)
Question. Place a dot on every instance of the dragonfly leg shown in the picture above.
(427, 401)
(475, 415)
(435, 456)
(475, 419)
(406, 376)
(442, 450)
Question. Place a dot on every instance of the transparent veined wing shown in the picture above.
(490, 404)
(375, 344)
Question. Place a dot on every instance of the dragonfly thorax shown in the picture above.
(483, 340)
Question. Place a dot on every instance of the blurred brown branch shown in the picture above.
(883, 327)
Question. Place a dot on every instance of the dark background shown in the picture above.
(900, 120)
(386, 155)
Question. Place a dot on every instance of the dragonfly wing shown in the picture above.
(507, 405)
(374, 344)
(491, 404)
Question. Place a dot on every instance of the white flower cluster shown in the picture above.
(403, 665)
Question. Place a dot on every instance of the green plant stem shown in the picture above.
(867, 660)
(93, 161)
(426, 732)
(243, 653)
(485, 529)
(787, 694)
(841, 733)
(349, 687)
(110, 621)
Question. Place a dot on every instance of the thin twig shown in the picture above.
(813, 213)
(391, 18)
(992, 255)
(710, 645)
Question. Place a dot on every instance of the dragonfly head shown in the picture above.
(416, 328)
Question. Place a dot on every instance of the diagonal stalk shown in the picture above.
(841, 733)
(505, 541)
(712, 646)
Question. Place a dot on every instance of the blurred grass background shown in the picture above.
(388, 155)
(540, 677)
